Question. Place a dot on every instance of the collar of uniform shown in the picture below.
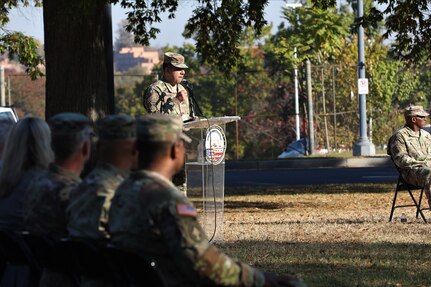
(169, 87)
(152, 174)
(64, 172)
(111, 168)
(411, 132)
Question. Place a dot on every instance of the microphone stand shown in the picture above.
(193, 103)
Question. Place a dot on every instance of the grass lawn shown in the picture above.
(331, 235)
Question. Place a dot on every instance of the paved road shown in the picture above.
(291, 176)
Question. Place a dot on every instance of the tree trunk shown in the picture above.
(78, 72)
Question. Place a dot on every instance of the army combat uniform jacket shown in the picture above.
(150, 216)
(90, 201)
(45, 203)
(160, 97)
(411, 152)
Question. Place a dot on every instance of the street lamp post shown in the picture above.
(297, 131)
(363, 146)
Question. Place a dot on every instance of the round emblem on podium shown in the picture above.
(215, 145)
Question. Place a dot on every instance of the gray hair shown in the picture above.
(27, 147)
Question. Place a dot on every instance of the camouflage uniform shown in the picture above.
(160, 97)
(150, 216)
(45, 203)
(90, 202)
(411, 152)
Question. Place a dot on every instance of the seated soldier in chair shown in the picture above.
(410, 149)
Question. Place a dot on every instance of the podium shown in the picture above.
(205, 170)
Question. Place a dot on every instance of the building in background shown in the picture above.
(129, 57)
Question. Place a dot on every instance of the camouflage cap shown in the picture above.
(116, 127)
(175, 60)
(69, 124)
(160, 128)
(415, 111)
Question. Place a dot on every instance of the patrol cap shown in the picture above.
(160, 128)
(69, 124)
(116, 127)
(415, 111)
(175, 60)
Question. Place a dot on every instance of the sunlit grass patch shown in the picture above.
(332, 235)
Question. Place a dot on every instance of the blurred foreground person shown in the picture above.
(151, 217)
(27, 153)
(410, 148)
(45, 204)
(90, 201)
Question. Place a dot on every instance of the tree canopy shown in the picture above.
(408, 23)
(16, 44)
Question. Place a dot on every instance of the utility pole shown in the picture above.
(298, 132)
(363, 146)
(310, 108)
(334, 107)
(9, 102)
(2, 87)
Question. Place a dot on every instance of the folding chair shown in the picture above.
(16, 254)
(41, 247)
(86, 259)
(403, 186)
(138, 270)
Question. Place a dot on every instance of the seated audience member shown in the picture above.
(150, 216)
(26, 154)
(90, 201)
(410, 148)
(5, 126)
(45, 203)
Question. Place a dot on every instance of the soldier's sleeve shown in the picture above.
(152, 99)
(191, 251)
(400, 155)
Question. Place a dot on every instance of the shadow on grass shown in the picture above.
(256, 205)
(340, 264)
(312, 189)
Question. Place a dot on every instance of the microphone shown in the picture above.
(194, 107)
(186, 84)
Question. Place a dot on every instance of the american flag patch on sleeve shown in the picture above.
(186, 210)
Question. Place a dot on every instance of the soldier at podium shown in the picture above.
(169, 96)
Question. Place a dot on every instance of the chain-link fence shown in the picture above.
(265, 101)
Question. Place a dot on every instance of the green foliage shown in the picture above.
(408, 22)
(24, 48)
(16, 44)
(216, 26)
(129, 89)
(372, 29)
(317, 34)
